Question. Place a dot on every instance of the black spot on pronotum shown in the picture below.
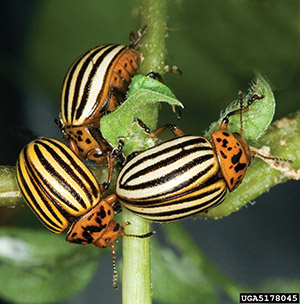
(225, 142)
(229, 148)
(226, 134)
(74, 234)
(219, 139)
(231, 181)
(236, 158)
(223, 155)
(109, 212)
(79, 132)
(89, 230)
(88, 141)
(239, 167)
(102, 213)
(79, 138)
(98, 220)
(117, 227)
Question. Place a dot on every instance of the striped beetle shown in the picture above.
(64, 194)
(187, 174)
(95, 84)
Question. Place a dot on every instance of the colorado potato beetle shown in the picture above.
(64, 194)
(187, 174)
(95, 84)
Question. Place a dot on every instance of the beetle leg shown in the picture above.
(111, 157)
(73, 146)
(241, 110)
(136, 36)
(173, 128)
(155, 76)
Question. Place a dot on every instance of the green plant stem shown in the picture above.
(153, 46)
(10, 196)
(136, 286)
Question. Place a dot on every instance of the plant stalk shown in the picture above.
(136, 281)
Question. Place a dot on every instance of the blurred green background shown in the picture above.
(218, 45)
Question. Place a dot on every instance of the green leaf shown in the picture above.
(152, 85)
(40, 267)
(259, 116)
(143, 97)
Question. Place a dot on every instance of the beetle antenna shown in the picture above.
(262, 156)
(115, 273)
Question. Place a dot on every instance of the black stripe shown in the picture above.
(120, 96)
(88, 84)
(49, 188)
(31, 170)
(79, 77)
(171, 175)
(161, 196)
(176, 214)
(168, 161)
(170, 147)
(162, 200)
(63, 150)
(62, 181)
(32, 203)
(69, 78)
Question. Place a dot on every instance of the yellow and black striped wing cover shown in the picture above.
(172, 180)
(55, 183)
(90, 81)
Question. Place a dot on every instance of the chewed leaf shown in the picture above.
(142, 102)
(259, 116)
